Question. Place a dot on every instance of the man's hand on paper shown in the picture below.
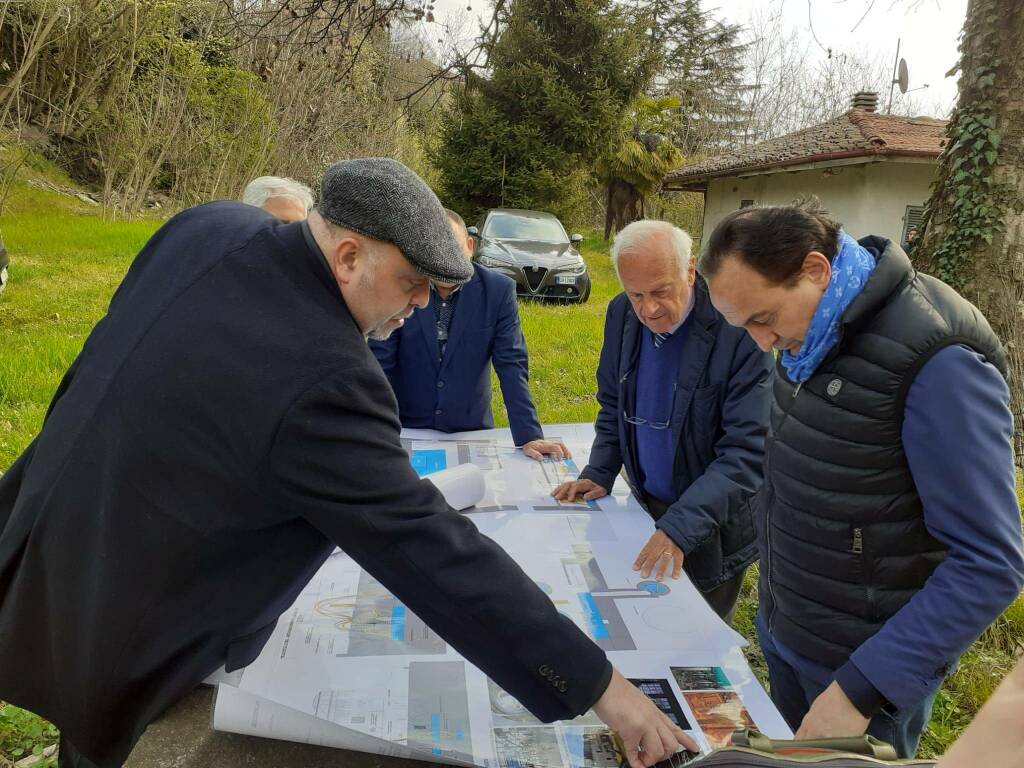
(832, 716)
(647, 734)
(657, 555)
(538, 449)
(573, 489)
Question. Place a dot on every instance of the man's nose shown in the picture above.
(764, 338)
(421, 296)
(649, 306)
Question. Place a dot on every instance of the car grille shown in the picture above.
(534, 276)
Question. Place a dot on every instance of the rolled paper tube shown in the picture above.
(462, 486)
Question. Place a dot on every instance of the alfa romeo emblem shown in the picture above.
(833, 387)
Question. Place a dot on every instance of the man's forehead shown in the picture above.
(736, 292)
(643, 263)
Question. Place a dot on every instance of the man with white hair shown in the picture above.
(284, 198)
(684, 407)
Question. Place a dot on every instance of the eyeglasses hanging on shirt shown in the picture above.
(639, 421)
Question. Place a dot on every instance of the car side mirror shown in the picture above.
(472, 231)
(576, 239)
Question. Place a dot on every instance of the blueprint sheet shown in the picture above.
(349, 666)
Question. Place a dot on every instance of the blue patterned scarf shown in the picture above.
(851, 269)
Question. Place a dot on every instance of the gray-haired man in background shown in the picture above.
(287, 199)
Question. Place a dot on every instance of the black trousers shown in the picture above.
(722, 598)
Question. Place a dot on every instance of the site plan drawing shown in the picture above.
(350, 666)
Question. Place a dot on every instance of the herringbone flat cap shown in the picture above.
(383, 199)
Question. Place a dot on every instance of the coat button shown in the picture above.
(544, 669)
(562, 686)
(440, 384)
(438, 412)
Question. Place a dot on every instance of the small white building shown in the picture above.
(873, 172)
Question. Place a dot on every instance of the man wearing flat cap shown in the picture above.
(223, 429)
(439, 363)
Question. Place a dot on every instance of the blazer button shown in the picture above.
(440, 384)
(438, 412)
(544, 669)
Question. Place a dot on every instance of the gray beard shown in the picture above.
(378, 334)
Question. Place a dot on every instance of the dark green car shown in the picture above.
(533, 249)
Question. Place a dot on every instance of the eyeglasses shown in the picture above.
(637, 421)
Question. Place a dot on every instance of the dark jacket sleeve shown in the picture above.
(736, 473)
(338, 463)
(10, 481)
(509, 357)
(606, 454)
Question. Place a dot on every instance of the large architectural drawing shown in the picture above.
(350, 666)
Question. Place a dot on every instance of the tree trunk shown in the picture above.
(974, 236)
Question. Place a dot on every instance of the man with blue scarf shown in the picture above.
(888, 524)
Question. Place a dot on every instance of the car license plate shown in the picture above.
(565, 279)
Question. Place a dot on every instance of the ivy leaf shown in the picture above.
(991, 156)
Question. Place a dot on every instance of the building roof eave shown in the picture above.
(699, 181)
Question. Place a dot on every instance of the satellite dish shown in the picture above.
(903, 78)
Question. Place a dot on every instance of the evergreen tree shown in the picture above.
(561, 76)
(703, 68)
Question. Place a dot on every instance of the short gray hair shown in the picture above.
(632, 238)
(259, 190)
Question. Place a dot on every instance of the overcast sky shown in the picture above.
(928, 31)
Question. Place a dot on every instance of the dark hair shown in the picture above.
(774, 241)
(456, 218)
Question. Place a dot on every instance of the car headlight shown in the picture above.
(490, 259)
(576, 268)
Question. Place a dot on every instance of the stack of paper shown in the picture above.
(349, 666)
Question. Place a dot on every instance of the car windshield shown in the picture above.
(505, 226)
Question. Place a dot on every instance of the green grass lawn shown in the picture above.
(66, 262)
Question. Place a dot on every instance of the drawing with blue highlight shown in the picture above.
(435, 732)
(654, 587)
(597, 628)
(428, 461)
(398, 622)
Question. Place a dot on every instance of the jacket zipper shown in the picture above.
(768, 513)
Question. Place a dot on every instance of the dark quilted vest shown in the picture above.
(841, 530)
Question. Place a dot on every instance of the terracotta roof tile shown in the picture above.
(854, 134)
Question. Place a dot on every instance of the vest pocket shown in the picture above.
(857, 547)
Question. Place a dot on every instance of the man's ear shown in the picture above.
(343, 257)
(818, 269)
(691, 273)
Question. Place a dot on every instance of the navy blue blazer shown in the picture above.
(454, 394)
(719, 425)
(224, 427)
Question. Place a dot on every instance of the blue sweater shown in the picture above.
(656, 375)
(957, 431)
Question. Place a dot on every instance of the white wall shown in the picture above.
(869, 198)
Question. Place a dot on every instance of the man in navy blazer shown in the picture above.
(439, 362)
(684, 407)
(222, 430)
